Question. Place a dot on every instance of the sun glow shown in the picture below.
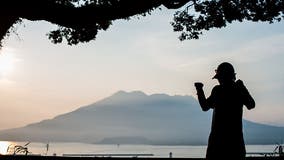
(6, 63)
(4, 145)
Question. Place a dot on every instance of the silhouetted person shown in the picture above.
(227, 100)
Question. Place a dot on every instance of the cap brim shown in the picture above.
(215, 77)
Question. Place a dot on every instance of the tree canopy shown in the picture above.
(80, 20)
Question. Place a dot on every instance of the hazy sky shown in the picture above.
(40, 80)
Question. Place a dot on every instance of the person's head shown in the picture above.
(225, 73)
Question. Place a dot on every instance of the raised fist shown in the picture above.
(198, 85)
(240, 84)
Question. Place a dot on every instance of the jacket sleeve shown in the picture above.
(248, 101)
(206, 103)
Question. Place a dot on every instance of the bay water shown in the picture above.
(58, 149)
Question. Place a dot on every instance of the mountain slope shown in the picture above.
(136, 118)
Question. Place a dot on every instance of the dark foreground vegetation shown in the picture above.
(10, 157)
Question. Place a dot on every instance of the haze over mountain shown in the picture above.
(137, 118)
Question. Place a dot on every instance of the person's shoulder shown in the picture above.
(216, 88)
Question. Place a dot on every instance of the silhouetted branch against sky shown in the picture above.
(80, 20)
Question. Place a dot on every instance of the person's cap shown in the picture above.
(225, 69)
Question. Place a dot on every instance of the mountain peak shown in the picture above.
(121, 92)
(124, 93)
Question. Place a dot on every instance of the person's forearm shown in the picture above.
(202, 100)
(249, 101)
(247, 98)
